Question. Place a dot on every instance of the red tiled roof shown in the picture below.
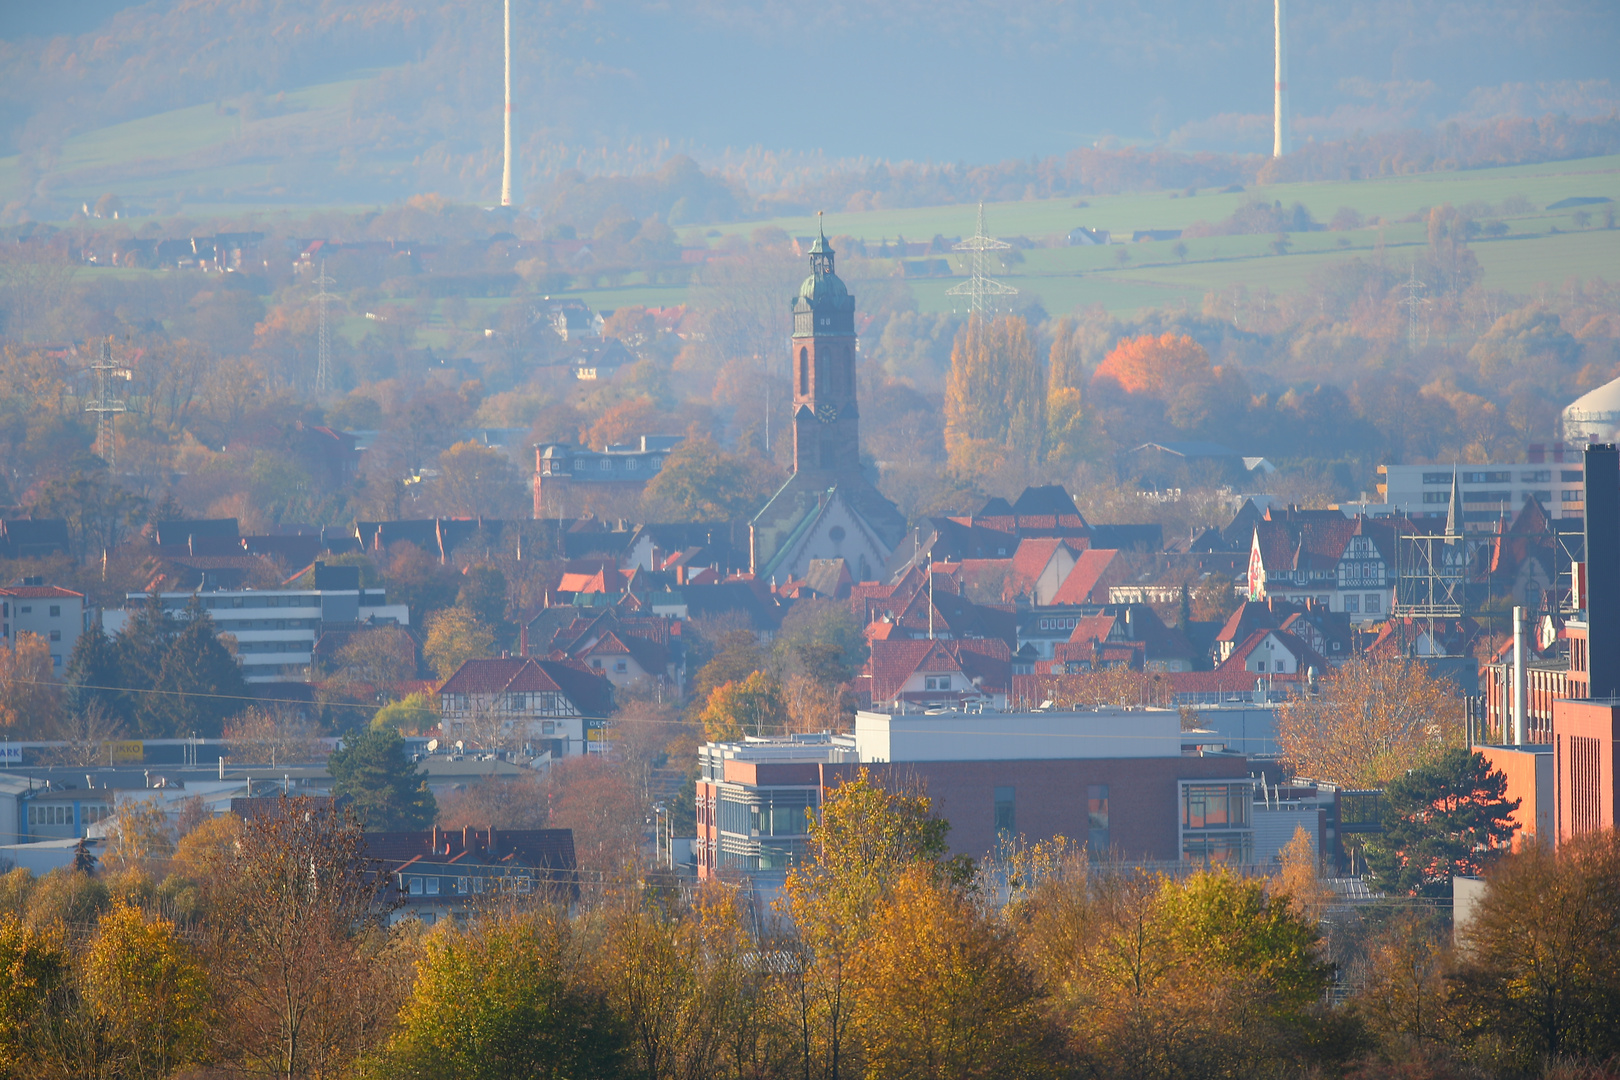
(39, 592)
(1094, 570)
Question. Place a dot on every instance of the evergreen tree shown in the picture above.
(383, 786)
(199, 682)
(94, 674)
(142, 644)
(1449, 818)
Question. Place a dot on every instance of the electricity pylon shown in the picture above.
(323, 342)
(978, 286)
(104, 405)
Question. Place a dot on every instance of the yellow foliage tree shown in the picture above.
(753, 706)
(30, 698)
(1373, 721)
(996, 391)
(146, 988)
(455, 636)
(943, 992)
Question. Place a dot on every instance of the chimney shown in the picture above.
(1602, 577)
(435, 846)
(1518, 677)
(466, 837)
(523, 640)
(680, 575)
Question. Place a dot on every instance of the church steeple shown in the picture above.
(826, 436)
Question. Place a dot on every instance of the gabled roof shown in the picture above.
(1304, 656)
(591, 694)
(1094, 571)
(894, 661)
(39, 592)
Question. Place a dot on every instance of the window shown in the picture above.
(621, 666)
(596, 662)
(1437, 497)
(415, 886)
(1538, 476)
(1006, 819)
(1372, 605)
(56, 635)
(1572, 476)
(478, 884)
(56, 611)
(1488, 496)
(1437, 478)
(1572, 496)
(936, 682)
(1260, 665)
(1487, 477)
(631, 464)
(26, 609)
(607, 463)
(804, 371)
(1543, 495)
(1097, 819)
(461, 885)
(433, 886)
(1216, 806)
(1352, 605)
(836, 534)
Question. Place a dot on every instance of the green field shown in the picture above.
(187, 161)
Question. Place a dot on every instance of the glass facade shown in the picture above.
(1215, 821)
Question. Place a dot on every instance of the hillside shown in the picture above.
(230, 103)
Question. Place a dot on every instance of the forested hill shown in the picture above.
(382, 98)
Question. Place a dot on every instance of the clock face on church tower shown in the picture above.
(826, 412)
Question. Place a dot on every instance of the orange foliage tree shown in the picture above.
(1155, 366)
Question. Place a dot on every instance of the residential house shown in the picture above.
(922, 674)
(558, 706)
(440, 874)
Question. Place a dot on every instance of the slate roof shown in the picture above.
(802, 500)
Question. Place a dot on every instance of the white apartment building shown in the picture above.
(55, 614)
(275, 629)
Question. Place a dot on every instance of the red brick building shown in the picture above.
(1586, 742)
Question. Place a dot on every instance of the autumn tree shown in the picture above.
(1374, 719)
(146, 988)
(701, 482)
(455, 635)
(995, 395)
(592, 796)
(1154, 366)
(943, 992)
(1539, 966)
(283, 947)
(1446, 818)
(507, 998)
(753, 706)
(34, 966)
(30, 699)
(479, 482)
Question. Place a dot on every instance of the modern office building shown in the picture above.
(276, 629)
(1489, 492)
(1118, 780)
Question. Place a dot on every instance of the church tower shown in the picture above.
(828, 509)
(826, 437)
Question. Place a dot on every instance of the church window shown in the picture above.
(804, 371)
(836, 534)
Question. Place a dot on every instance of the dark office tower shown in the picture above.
(1603, 570)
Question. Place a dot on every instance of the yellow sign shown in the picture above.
(124, 752)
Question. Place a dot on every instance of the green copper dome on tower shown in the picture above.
(823, 286)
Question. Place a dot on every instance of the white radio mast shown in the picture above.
(1279, 125)
(506, 167)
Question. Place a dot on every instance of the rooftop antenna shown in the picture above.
(104, 405)
(1279, 121)
(506, 165)
(323, 345)
(978, 286)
